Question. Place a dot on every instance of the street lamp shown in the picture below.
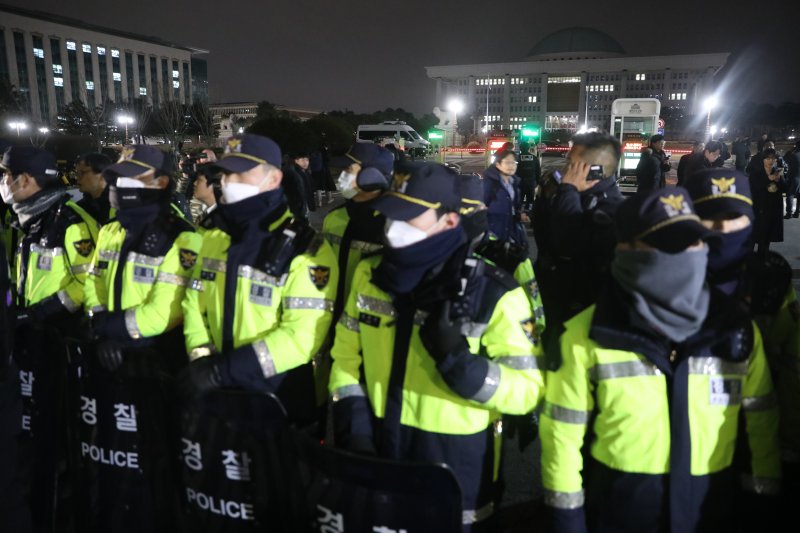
(709, 104)
(44, 131)
(455, 106)
(713, 131)
(125, 119)
(18, 125)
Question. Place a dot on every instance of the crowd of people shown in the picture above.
(657, 353)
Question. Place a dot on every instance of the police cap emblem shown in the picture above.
(320, 275)
(187, 258)
(84, 247)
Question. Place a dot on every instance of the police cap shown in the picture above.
(39, 163)
(720, 191)
(140, 158)
(246, 151)
(429, 186)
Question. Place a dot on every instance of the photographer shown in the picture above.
(657, 143)
(195, 183)
(582, 228)
(767, 183)
(792, 173)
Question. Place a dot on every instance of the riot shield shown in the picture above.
(233, 463)
(129, 447)
(334, 490)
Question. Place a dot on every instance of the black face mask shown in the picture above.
(729, 250)
(475, 224)
(124, 198)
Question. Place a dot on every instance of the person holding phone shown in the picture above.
(581, 229)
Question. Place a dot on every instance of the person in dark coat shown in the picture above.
(529, 172)
(762, 143)
(792, 158)
(697, 148)
(657, 143)
(741, 151)
(503, 199)
(704, 160)
(766, 184)
(297, 186)
(648, 172)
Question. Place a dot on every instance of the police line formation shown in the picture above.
(166, 376)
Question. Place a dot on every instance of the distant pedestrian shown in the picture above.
(766, 184)
(648, 172)
(741, 152)
(657, 143)
(792, 158)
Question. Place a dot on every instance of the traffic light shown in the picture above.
(530, 131)
(435, 135)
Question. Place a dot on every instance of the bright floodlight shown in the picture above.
(17, 125)
(43, 130)
(713, 130)
(710, 103)
(456, 106)
(125, 119)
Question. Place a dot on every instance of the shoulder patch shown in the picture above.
(188, 258)
(320, 275)
(84, 247)
(531, 330)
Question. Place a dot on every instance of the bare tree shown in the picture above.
(203, 121)
(173, 121)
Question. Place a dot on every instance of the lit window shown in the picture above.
(114, 52)
(142, 91)
(175, 74)
(87, 48)
(38, 52)
(90, 86)
(532, 98)
(57, 69)
(101, 51)
(71, 45)
(58, 82)
(117, 76)
(176, 85)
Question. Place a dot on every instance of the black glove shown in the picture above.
(109, 354)
(440, 335)
(200, 377)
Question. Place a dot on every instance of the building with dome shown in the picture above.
(569, 79)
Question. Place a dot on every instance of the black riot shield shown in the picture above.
(334, 490)
(129, 448)
(234, 468)
(39, 354)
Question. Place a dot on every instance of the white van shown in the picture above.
(397, 129)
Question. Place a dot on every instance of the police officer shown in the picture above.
(529, 171)
(659, 371)
(262, 292)
(138, 278)
(723, 202)
(355, 228)
(52, 259)
(89, 176)
(460, 335)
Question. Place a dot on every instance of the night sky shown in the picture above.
(366, 56)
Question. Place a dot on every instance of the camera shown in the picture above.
(595, 173)
(780, 164)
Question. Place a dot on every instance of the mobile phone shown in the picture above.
(595, 173)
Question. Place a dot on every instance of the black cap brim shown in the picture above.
(394, 207)
(126, 169)
(679, 235)
(715, 205)
(234, 163)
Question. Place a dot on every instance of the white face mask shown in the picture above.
(129, 183)
(400, 234)
(6, 193)
(347, 185)
(236, 192)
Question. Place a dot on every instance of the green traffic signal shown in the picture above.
(530, 132)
